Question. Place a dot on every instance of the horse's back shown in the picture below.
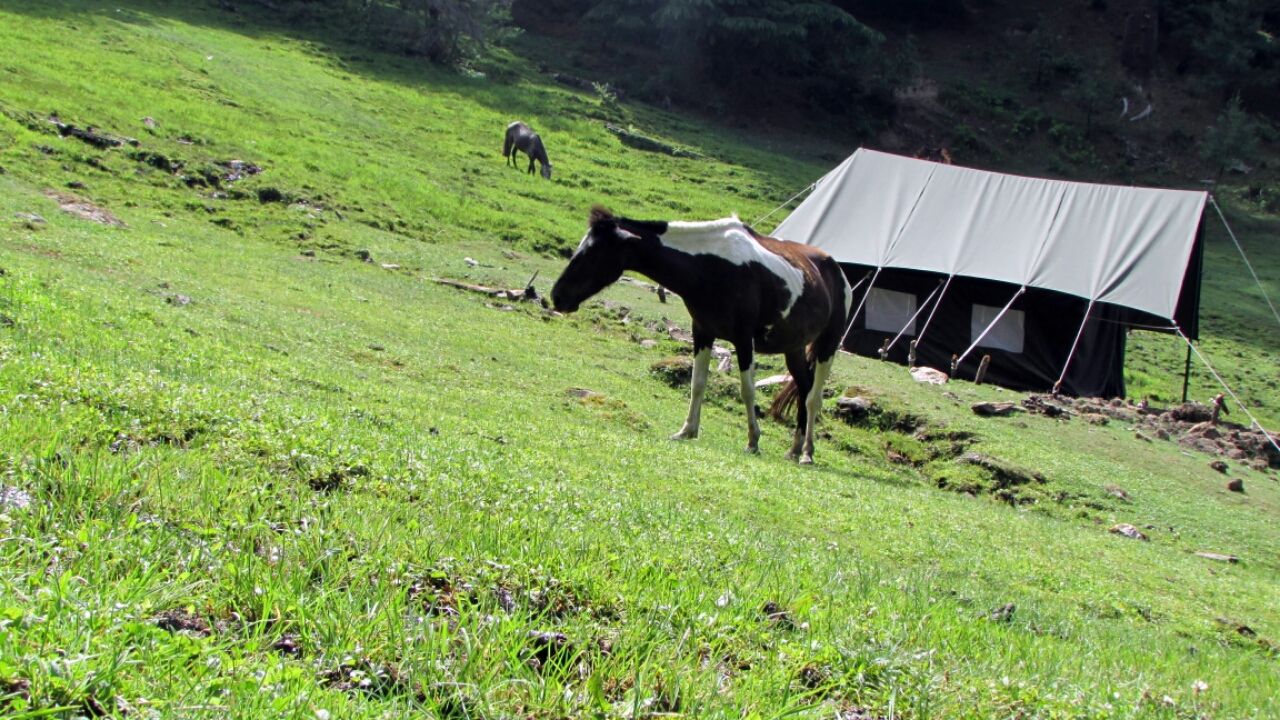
(823, 275)
(522, 136)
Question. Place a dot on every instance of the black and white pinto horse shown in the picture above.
(759, 293)
(522, 137)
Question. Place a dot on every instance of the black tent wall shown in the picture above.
(1051, 322)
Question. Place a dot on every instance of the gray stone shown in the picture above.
(1219, 557)
(1128, 531)
(995, 409)
(13, 498)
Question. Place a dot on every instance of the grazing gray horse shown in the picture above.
(521, 137)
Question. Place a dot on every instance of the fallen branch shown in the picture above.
(644, 142)
(525, 293)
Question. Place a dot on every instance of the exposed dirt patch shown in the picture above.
(335, 477)
(16, 687)
(84, 209)
(289, 644)
(610, 409)
(775, 615)
(440, 592)
(977, 474)
(546, 648)
(1237, 633)
(861, 411)
(179, 620)
(1192, 425)
(675, 371)
(376, 679)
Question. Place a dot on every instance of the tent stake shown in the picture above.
(982, 369)
(1186, 375)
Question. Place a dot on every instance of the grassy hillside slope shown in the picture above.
(246, 474)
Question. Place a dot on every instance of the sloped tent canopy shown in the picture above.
(1010, 265)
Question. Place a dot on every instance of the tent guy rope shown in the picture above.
(854, 317)
(955, 364)
(1270, 438)
(1074, 344)
(769, 214)
(1244, 257)
(885, 352)
(920, 337)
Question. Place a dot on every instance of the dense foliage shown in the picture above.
(733, 54)
(443, 31)
(1232, 43)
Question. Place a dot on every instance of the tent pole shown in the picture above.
(854, 317)
(955, 364)
(920, 337)
(1186, 374)
(1074, 344)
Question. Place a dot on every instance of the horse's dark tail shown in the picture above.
(789, 395)
(507, 142)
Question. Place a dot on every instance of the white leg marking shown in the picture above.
(749, 399)
(698, 389)
(813, 404)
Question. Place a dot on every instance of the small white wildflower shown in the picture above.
(322, 714)
(1167, 701)
(1199, 686)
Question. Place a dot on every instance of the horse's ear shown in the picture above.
(599, 214)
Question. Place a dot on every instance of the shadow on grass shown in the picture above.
(517, 88)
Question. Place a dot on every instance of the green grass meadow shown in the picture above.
(267, 479)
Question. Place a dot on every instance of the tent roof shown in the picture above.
(1123, 245)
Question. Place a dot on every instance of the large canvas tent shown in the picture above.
(1045, 276)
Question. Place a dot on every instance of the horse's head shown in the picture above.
(546, 170)
(598, 262)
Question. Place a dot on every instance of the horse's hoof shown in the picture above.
(806, 459)
(790, 456)
(682, 435)
(751, 450)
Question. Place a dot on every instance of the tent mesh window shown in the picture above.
(890, 311)
(1007, 334)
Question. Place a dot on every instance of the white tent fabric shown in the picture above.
(1123, 245)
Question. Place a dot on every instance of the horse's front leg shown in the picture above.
(698, 386)
(747, 372)
(813, 405)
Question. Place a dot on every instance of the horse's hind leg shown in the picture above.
(747, 371)
(698, 387)
(813, 406)
(802, 375)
